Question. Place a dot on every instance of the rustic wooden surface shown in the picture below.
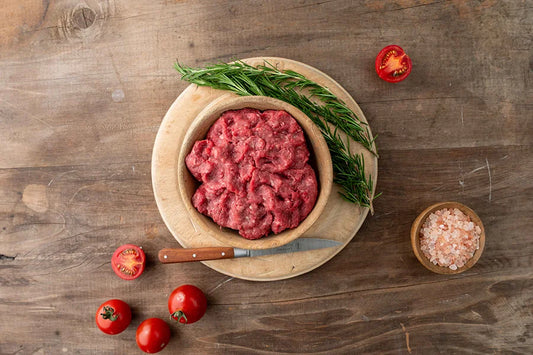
(84, 86)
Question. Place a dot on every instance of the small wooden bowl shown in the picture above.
(320, 160)
(415, 237)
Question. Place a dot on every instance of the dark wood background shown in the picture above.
(84, 86)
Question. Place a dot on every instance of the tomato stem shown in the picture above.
(109, 314)
(178, 316)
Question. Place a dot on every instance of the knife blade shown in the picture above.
(180, 255)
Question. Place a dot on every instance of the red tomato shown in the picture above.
(393, 64)
(187, 304)
(128, 261)
(113, 316)
(152, 335)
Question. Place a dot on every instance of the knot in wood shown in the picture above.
(84, 21)
(83, 18)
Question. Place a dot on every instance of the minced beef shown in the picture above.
(254, 171)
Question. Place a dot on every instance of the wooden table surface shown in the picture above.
(83, 89)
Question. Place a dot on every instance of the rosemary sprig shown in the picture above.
(290, 86)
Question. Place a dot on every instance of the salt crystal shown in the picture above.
(449, 238)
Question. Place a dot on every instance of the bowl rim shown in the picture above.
(415, 237)
(324, 169)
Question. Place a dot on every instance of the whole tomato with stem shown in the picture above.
(187, 304)
(152, 335)
(393, 64)
(113, 316)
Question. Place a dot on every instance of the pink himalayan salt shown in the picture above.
(449, 238)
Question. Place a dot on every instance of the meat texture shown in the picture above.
(254, 171)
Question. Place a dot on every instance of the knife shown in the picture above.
(181, 255)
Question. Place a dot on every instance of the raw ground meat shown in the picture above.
(254, 171)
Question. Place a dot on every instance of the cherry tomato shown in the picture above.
(128, 261)
(113, 316)
(187, 304)
(393, 64)
(152, 335)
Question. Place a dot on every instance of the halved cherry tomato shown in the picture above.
(393, 64)
(187, 304)
(113, 316)
(152, 335)
(128, 261)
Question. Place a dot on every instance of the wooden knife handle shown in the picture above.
(183, 255)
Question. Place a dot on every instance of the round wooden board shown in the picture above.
(340, 220)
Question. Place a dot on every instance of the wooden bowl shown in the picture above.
(320, 160)
(415, 237)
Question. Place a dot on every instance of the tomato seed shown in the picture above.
(129, 251)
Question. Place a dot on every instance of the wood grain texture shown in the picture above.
(82, 98)
(181, 255)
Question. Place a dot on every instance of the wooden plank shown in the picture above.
(84, 86)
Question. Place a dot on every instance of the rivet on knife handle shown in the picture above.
(182, 255)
